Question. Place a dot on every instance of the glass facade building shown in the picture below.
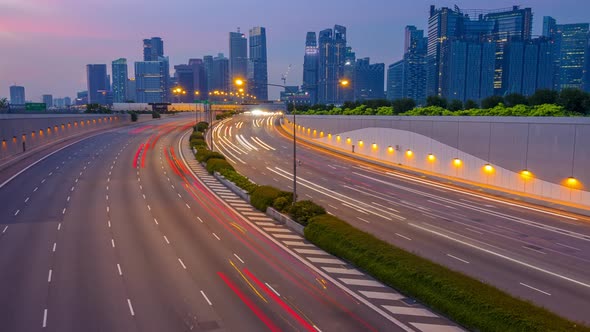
(96, 78)
(120, 76)
(17, 95)
(259, 73)
(310, 67)
(151, 81)
(238, 56)
(153, 49)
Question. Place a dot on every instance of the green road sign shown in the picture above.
(35, 107)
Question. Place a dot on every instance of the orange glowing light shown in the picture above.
(409, 153)
(525, 173)
(457, 162)
(390, 148)
(488, 168)
(572, 181)
(431, 157)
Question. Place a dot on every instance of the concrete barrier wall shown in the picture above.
(551, 149)
(36, 130)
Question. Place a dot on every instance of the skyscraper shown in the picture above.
(411, 69)
(151, 79)
(368, 80)
(259, 78)
(310, 67)
(17, 95)
(220, 73)
(131, 90)
(96, 79)
(571, 53)
(119, 70)
(48, 100)
(527, 65)
(396, 80)
(200, 78)
(184, 77)
(326, 68)
(238, 56)
(153, 48)
(208, 65)
(67, 101)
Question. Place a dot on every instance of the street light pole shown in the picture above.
(294, 156)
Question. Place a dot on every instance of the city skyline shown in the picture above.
(67, 45)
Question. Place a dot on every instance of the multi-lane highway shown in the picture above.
(116, 233)
(534, 253)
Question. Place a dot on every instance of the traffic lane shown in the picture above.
(325, 305)
(86, 292)
(26, 247)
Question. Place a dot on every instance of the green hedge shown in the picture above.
(303, 211)
(201, 126)
(216, 164)
(204, 155)
(467, 301)
(264, 196)
(239, 180)
(197, 135)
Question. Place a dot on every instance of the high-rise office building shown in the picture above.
(310, 67)
(67, 101)
(200, 78)
(396, 80)
(527, 65)
(151, 79)
(238, 56)
(258, 79)
(208, 66)
(120, 76)
(368, 80)
(48, 100)
(349, 72)
(96, 79)
(130, 94)
(326, 68)
(153, 49)
(571, 53)
(411, 70)
(220, 73)
(17, 95)
(184, 78)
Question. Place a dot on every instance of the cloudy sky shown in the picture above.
(45, 44)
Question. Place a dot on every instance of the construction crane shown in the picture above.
(284, 76)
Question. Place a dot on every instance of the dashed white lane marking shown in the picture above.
(272, 289)
(535, 289)
(217, 237)
(4, 230)
(54, 246)
(206, 298)
(130, 307)
(409, 311)
(382, 295)
(181, 263)
(36, 188)
(72, 189)
(365, 220)
(165, 238)
(149, 207)
(27, 199)
(188, 206)
(108, 209)
(457, 258)
(49, 275)
(403, 236)
(566, 246)
(238, 257)
(113, 243)
(107, 196)
(156, 221)
(109, 223)
(16, 213)
(68, 199)
(44, 318)
(340, 270)
(326, 260)
(63, 211)
(361, 282)
(43, 181)
(119, 269)
(143, 196)
(201, 220)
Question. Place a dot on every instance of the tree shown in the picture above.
(3, 103)
(470, 104)
(514, 99)
(403, 105)
(436, 101)
(491, 101)
(455, 105)
(543, 96)
(573, 100)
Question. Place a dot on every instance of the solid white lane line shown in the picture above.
(533, 288)
(403, 237)
(566, 246)
(238, 257)
(165, 238)
(130, 307)
(49, 276)
(26, 199)
(44, 318)
(113, 243)
(457, 258)
(201, 220)
(514, 260)
(181, 263)
(206, 298)
(54, 246)
(217, 237)
(16, 213)
(119, 268)
(272, 289)
(4, 230)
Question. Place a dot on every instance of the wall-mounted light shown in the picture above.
(348, 140)
(409, 153)
(374, 146)
(572, 181)
(457, 162)
(525, 173)
(431, 157)
(361, 143)
(390, 149)
(488, 168)
(338, 138)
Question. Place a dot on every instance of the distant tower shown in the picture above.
(238, 55)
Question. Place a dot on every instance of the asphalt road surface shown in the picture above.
(114, 233)
(535, 253)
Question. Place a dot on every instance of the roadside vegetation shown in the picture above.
(466, 300)
(547, 103)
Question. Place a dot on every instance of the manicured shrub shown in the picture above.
(281, 204)
(303, 211)
(205, 156)
(197, 142)
(197, 135)
(202, 126)
(133, 116)
(263, 197)
(216, 164)
(156, 115)
(239, 180)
